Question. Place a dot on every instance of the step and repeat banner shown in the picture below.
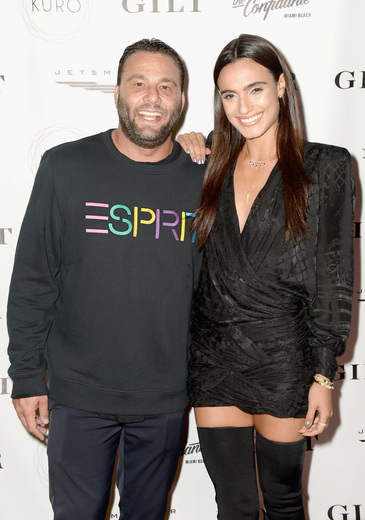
(58, 66)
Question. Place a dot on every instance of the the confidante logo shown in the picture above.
(161, 6)
(346, 512)
(264, 8)
(192, 453)
(55, 20)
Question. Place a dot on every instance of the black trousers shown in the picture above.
(82, 449)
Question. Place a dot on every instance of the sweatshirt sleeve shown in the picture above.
(33, 288)
(331, 311)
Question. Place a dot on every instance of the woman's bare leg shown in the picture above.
(222, 416)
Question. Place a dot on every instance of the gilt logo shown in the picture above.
(161, 6)
(347, 79)
(55, 20)
(344, 512)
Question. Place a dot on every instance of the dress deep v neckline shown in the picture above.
(256, 200)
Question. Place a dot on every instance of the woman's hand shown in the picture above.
(194, 144)
(320, 401)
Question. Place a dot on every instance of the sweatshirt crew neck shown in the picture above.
(102, 285)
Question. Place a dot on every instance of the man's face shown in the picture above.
(149, 98)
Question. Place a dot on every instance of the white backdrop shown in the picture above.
(58, 64)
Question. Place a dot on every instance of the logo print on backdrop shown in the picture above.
(344, 512)
(41, 462)
(49, 137)
(192, 453)
(55, 20)
(161, 6)
(5, 385)
(263, 8)
(3, 233)
(346, 79)
(353, 372)
(89, 85)
(76, 82)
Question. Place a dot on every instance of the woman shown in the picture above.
(272, 307)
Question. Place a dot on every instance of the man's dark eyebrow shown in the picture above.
(141, 76)
(247, 87)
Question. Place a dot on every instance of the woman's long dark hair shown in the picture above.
(227, 142)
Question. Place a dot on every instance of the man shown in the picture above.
(100, 299)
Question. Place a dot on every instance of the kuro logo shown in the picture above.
(55, 20)
(344, 512)
(56, 6)
(350, 79)
(161, 6)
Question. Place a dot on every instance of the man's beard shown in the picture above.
(147, 137)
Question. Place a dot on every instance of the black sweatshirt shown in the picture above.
(102, 284)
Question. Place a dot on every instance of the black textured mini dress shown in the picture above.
(267, 316)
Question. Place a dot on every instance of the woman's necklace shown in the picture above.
(256, 165)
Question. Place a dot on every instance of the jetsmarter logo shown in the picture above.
(257, 6)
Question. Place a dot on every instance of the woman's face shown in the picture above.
(250, 95)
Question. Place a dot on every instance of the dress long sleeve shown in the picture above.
(331, 308)
(33, 289)
(268, 315)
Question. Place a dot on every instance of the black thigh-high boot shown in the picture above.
(280, 467)
(229, 457)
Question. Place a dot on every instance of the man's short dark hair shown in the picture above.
(156, 47)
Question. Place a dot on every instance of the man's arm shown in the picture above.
(32, 297)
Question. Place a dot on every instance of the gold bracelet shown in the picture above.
(324, 382)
